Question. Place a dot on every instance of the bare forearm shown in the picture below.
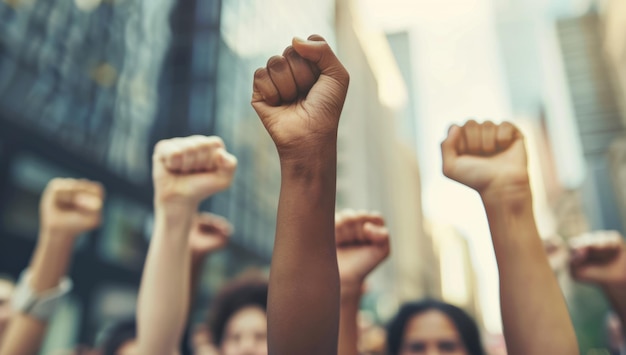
(304, 283)
(534, 313)
(163, 299)
(48, 266)
(348, 326)
(50, 260)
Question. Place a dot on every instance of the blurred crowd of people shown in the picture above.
(310, 303)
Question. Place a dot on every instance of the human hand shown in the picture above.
(556, 251)
(599, 258)
(362, 244)
(208, 234)
(71, 207)
(488, 158)
(188, 170)
(299, 97)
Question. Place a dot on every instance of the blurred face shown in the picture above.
(432, 333)
(616, 337)
(246, 333)
(128, 348)
(6, 291)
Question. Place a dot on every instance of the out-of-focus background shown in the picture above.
(87, 87)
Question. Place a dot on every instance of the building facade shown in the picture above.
(86, 90)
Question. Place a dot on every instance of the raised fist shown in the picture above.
(71, 206)
(599, 258)
(188, 170)
(485, 155)
(362, 244)
(299, 96)
(208, 234)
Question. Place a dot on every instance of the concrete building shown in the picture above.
(377, 169)
(614, 25)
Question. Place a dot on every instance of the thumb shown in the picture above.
(317, 51)
(226, 161)
(376, 234)
(589, 273)
(263, 109)
(87, 202)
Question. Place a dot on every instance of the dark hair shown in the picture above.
(239, 294)
(464, 324)
(118, 334)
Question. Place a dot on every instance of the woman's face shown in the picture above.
(246, 333)
(432, 333)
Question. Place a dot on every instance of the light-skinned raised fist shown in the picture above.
(188, 170)
(599, 258)
(209, 233)
(485, 155)
(71, 206)
(299, 96)
(362, 244)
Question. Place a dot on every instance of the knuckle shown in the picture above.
(215, 141)
(260, 74)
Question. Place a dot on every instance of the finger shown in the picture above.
(449, 149)
(189, 156)
(280, 73)
(92, 187)
(303, 75)
(505, 135)
(88, 195)
(87, 201)
(461, 144)
(210, 147)
(603, 253)
(578, 256)
(610, 237)
(341, 230)
(353, 229)
(473, 137)
(314, 68)
(488, 138)
(374, 218)
(171, 155)
(376, 234)
(225, 161)
(63, 193)
(203, 154)
(264, 87)
(589, 273)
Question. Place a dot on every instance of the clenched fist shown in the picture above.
(208, 234)
(71, 206)
(188, 170)
(299, 96)
(484, 156)
(362, 244)
(599, 258)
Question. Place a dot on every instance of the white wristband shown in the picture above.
(40, 306)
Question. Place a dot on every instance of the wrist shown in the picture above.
(513, 196)
(351, 291)
(56, 238)
(320, 166)
(174, 211)
(311, 151)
